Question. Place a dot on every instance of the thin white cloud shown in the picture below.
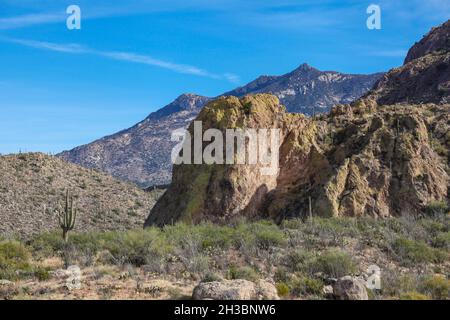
(124, 56)
(29, 20)
(67, 48)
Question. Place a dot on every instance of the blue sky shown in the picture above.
(60, 88)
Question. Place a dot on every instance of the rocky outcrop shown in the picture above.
(438, 39)
(350, 288)
(141, 154)
(359, 160)
(235, 290)
(425, 75)
(219, 192)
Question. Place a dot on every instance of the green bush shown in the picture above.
(42, 274)
(211, 277)
(137, 247)
(262, 235)
(413, 295)
(245, 273)
(214, 236)
(282, 289)
(442, 240)
(298, 260)
(14, 256)
(333, 263)
(411, 252)
(437, 208)
(394, 284)
(438, 287)
(305, 285)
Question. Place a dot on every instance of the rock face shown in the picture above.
(366, 158)
(219, 192)
(235, 290)
(425, 75)
(356, 161)
(33, 185)
(349, 288)
(141, 154)
(438, 39)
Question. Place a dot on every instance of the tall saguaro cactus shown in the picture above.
(67, 216)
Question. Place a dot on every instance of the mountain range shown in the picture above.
(141, 154)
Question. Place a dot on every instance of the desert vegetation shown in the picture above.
(301, 258)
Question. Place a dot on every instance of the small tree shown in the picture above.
(67, 216)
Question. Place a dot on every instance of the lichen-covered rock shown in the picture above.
(7, 290)
(265, 290)
(220, 192)
(350, 288)
(235, 290)
(225, 290)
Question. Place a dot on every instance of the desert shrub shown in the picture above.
(298, 260)
(49, 243)
(282, 274)
(14, 256)
(198, 265)
(211, 277)
(321, 231)
(333, 263)
(246, 273)
(292, 224)
(262, 235)
(438, 287)
(437, 208)
(442, 240)
(410, 252)
(394, 284)
(42, 274)
(407, 227)
(305, 285)
(413, 295)
(214, 236)
(282, 289)
(136, 247)
(372, 232)
(434, 226)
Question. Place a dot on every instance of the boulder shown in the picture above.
(7, 290)
(350, 288)
(266, 291)
(235, 290)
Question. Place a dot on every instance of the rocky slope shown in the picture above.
(384, 155)
(32, 186)
(425, 75)
(141, 154)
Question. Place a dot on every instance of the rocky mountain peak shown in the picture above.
(425, 76)
(304, 67)
(438, 39)
(185, 102)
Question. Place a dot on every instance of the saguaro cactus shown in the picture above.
(67, 216)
